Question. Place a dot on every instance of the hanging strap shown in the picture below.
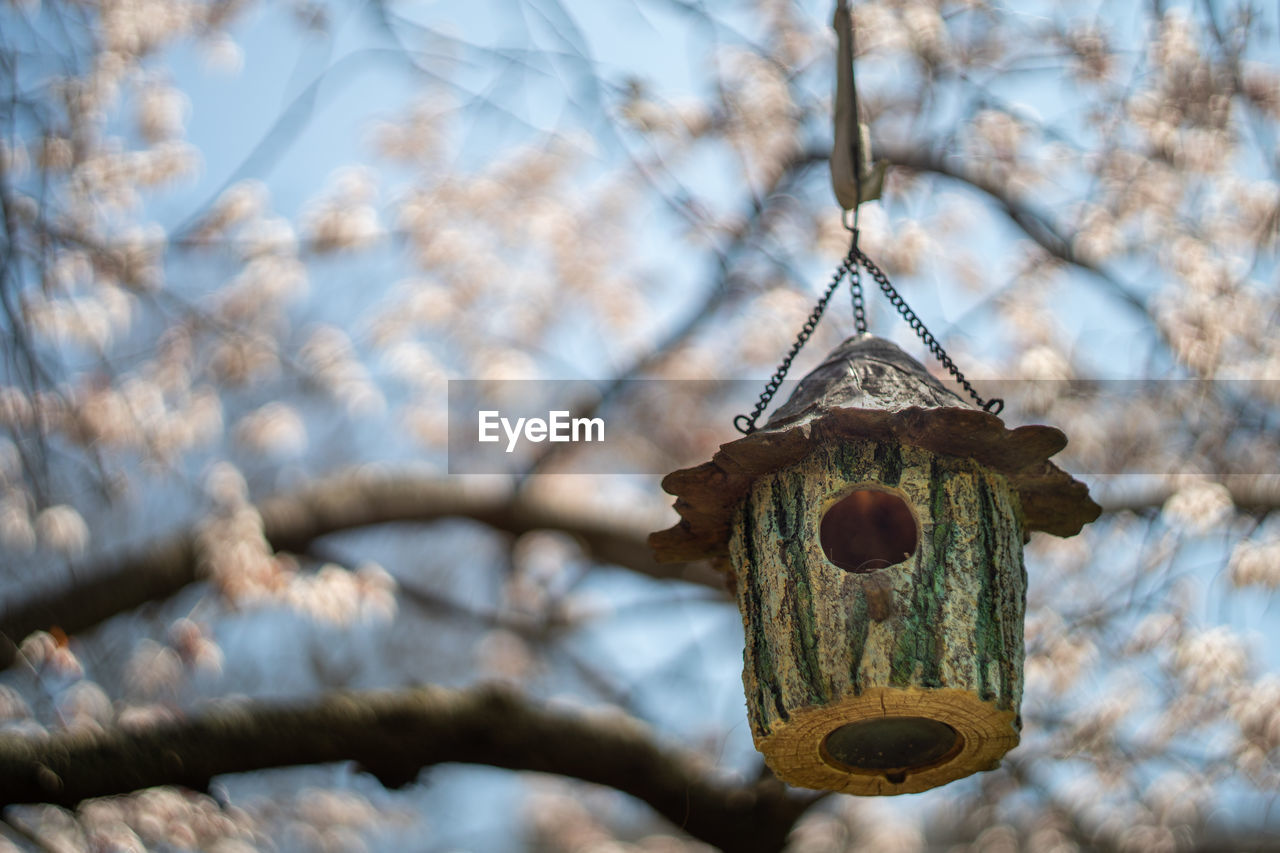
(854, 177)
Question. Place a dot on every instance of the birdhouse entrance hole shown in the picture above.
(868, 529)
(891, 746)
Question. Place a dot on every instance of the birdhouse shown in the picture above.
(874, 530)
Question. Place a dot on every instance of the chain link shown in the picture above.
(746, 424)
(855, 286)
(994, 405)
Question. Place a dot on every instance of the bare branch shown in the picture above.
(394, 735)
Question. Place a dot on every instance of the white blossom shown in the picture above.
(17, 532)
(153, 669)
(60, 528)
(162, 111)
(226, 486)
(222, 54)
(86, 705)
(1212, 659)
(1199, 506)
(274, 429)
(1256, 564)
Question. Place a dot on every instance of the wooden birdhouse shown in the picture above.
(874, 530)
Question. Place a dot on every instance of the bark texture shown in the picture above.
(939, 635)
(394, 736)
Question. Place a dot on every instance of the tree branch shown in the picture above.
(394, 735)
(1041, 231)
(1254, 495)
(292, 522)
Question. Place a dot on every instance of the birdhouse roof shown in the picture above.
(868, 388)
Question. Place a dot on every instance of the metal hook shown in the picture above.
(850, 226)
(854, 178)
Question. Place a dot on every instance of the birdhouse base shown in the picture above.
(890, 741)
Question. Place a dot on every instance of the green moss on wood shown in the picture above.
(888, 457)
(768, 694)
(990, 645)
(956, 619)
(860, 626)
(799, 593)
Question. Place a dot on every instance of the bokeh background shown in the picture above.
(247, 245)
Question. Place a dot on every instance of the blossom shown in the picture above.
(274, 429)
(194, 646)
(332, 362)
(344, 220)
(221, 54)
(225, 485)
(86, 705)
(16, 530)
(1255, 564)
(162, 111)
(153, 669)
(12, 705)
(1211, 660)
(1092, 51)
(1199, 505)
(341, 597)
(60, 528)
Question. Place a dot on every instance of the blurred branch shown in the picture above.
(1254, 495)
(1032, 223)
(394, 735)
(292, 522)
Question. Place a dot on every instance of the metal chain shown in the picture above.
(746, 424)
(859, 309)
(994, 405)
